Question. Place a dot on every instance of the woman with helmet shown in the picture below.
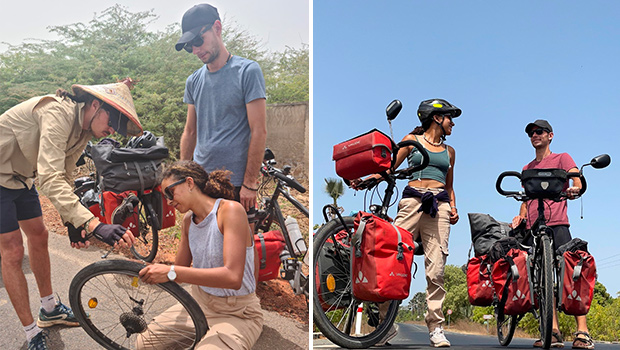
(428, 206)
(42, 138)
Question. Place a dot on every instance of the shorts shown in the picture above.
(17, 205)
(561, 235)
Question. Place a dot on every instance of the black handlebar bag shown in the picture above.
(124, 169)
(543, 183)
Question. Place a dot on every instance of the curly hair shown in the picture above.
(215, 184)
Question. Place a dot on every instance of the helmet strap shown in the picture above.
(443, 131)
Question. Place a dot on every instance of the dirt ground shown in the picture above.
(275, 295)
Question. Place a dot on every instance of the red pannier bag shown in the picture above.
(381, 258)
(512, 282)
(578, 276)
(269, 245)
(479, 283)
(366, 154)
(332, 274)
(166, 213)
(111, 200)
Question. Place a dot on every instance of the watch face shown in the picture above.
(172, 275)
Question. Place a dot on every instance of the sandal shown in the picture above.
(584, 342)
(556, 341)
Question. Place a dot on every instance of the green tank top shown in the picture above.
(438, 165)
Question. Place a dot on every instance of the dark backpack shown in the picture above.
(485, 231)
(124, 169)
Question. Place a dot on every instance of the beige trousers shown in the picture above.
(434, 233)
(234, 323)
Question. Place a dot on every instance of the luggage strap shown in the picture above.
(263, 259)
(578, 268)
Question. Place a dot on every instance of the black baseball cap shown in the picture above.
(194, 19)
(541, 123)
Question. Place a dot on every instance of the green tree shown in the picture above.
(335, 189)
(456, 300)
(116, 44)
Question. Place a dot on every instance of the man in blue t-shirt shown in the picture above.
(226, 100)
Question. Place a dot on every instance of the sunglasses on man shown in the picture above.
(168, 194)
(537, 132)
(198, 41)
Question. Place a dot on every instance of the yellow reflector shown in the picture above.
(92, 303)
(134, 283)
(437, 105)
(331, 282)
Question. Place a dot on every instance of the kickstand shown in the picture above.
(104, 256)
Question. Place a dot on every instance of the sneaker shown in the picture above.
(438, 339)
(393, 332)
(60, 315)
(125, 209)
(39, 342)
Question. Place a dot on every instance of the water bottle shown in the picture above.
(299, 245)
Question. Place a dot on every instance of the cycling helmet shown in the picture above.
(146, 140)
(436, 106)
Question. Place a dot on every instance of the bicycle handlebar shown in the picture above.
(520, 195)
(289, 181)
(402, 174)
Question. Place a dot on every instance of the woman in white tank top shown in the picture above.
(216, 255)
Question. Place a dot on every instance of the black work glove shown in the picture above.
(75, 234)
(109, 234)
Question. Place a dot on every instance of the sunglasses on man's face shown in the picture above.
(198, 41)
(537, 132)
(168, 194)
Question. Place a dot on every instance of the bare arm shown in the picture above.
(184, 255)
(188, 139)
(454, 215)
(233, 224)
(256, 150)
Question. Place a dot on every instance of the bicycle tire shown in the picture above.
(506, 328)
(338, 320)
(546, 292)
(147, 242)
(116, 309)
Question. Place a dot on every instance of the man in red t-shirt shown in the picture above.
(541, 135)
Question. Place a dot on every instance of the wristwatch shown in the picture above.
(171, 274)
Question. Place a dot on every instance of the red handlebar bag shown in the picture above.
(381, 258)
(366, 154)
(479, 284)
(512, 282)
(269, 245)
(578, 276)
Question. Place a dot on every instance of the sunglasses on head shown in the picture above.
(198, 41)
(168, 194)
(537, 132)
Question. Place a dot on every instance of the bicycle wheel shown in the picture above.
(545, 291)
(346, 321)
(506, 326)
(117, 310)
(147, 242)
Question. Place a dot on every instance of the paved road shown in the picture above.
(279, 333)
(411, 336)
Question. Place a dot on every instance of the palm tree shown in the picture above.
(335, 189)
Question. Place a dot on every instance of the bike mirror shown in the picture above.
(268, 154)
(393, 109)
(600, 162)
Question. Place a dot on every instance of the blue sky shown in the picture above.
(504, 64)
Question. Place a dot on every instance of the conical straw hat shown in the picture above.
(118, 96)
